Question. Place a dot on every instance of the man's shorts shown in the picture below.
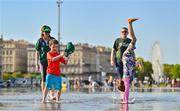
(53, 82)
(119, 69)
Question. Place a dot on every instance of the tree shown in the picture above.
(172, 71)
(147, 70)
(175, 71)
(17, 75)
(167, 70)
(6, 76)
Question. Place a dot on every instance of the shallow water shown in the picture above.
(157, 99)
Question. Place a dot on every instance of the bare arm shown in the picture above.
(131, 31)
(37, 60)
(112, 56)
(57, 57)
(37, 57)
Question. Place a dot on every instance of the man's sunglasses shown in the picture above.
(124, 31)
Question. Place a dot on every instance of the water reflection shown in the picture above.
(124, 107)
(50, 106)
(156, 90)
(101, 99)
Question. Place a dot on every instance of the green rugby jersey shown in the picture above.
(42, 47)
(120, 45)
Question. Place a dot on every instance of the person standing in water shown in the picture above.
(42, 47)
(120, 45)
(129, 63)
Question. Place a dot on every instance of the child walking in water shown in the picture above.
(129, 63)
(53, 78)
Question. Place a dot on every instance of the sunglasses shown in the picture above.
(124, 31)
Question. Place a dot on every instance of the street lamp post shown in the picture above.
(59, 2)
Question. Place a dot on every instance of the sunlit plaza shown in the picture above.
(89, 99)
(99, 55)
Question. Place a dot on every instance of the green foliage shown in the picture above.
(140, 58)
(147, 70)
(31, 75)
(162, 85)
(167, 70)
(172, 71)
(6, 76)
(17, 75)
(175, 71)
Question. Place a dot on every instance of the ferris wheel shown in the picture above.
(157, 62)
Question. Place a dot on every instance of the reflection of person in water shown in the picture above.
(124, 107)
(8, 83)
(13, 81)
(50, 107)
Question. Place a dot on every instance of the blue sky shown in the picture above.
(97, 22)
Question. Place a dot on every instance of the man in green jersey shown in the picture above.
(120, 45)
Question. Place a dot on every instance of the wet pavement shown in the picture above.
(29, 99)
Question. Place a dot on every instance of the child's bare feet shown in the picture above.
(43, 101)
(130, 20)
(54, 98)
(50, 97)
(57, 101)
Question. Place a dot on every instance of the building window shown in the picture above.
(72, 61)
(69, 61)
(68, 70)
(30, 55)
(77, 70)
(64, 70)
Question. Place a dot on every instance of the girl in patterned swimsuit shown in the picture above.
(129, 63)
